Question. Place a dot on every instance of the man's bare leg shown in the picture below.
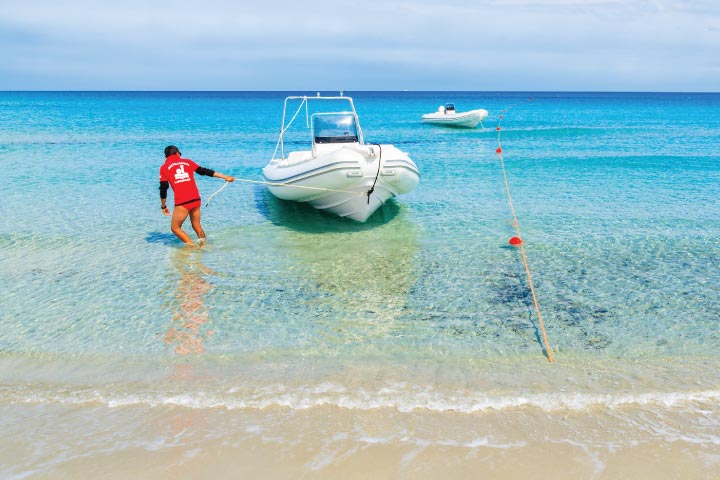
(179, 215)
(195, 222)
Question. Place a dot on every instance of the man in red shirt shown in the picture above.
(179, 173)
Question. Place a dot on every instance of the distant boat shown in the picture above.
(446, 115)
(339, 173)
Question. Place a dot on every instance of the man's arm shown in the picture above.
(227, 178)
(164, 185)
(212, 173)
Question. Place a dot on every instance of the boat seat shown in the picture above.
(298, 157)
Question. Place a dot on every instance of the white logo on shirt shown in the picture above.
(181, 175)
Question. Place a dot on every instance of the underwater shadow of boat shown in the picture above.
(304, 218)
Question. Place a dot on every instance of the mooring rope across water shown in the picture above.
(517, 241)
(280, 184)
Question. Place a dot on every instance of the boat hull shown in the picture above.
(469, 119)
(338, 181)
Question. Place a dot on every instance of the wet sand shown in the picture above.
(331, 443)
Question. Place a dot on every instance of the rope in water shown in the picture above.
(279, 184)
(520, 244)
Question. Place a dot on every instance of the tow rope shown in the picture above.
(279, 184)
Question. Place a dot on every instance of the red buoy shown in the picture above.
(498, 129)
(498, 150)
(515, 241)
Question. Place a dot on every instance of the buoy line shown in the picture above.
(517, 240)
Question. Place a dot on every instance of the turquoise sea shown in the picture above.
(299, 345)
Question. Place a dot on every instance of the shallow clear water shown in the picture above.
(617, 195)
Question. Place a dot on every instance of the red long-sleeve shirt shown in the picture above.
(179, 173)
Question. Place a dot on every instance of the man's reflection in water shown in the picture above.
(189, 326)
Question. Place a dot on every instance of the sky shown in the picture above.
(481, 45)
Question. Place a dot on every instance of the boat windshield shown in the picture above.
(334, 128)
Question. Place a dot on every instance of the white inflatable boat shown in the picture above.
(446, 115)
(340, 173)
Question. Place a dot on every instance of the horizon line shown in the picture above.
(350, 90)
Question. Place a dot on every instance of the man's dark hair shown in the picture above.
(171, 150)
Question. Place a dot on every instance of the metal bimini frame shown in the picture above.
(305, 100)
